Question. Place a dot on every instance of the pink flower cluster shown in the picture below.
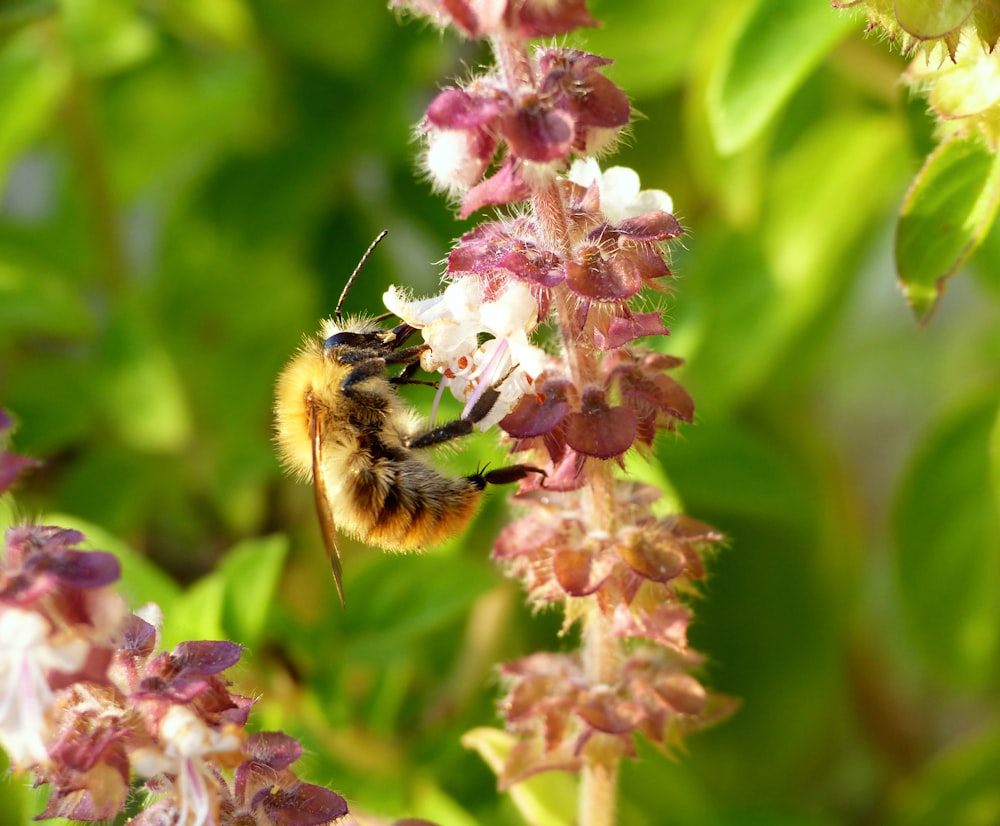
(565, 105)
(579, 247)
(633, 579)
(87, 702)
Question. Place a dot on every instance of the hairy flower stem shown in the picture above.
(514, 62)
(601, 649)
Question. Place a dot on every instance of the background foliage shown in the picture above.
(185, 186)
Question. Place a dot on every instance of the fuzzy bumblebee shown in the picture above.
(341, 425)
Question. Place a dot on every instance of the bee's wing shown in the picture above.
(326, 523)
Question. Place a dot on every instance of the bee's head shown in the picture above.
(364, 334)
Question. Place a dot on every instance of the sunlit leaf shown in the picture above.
(777, 44)
(36, 298)
(142, 391)
(958, 787)
(107, 35)
(947, 211)
(251, 571)
(197, 612)
(31, 84)
(947, 554)
(545, 800)
(227, 22)
(14, 13)
(651, 49)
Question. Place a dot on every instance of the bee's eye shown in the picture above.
(347, 339)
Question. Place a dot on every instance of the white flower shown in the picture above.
(621, 196)
(452, 324)
(185, 741)
(28, 651)
(451, 161)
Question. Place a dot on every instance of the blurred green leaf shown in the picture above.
(107, 36)
(141, 389)
(995, 462)
(407, 597)
(326, 33)
(853, 164)
(32, 79)
(16, 13)
(172, 120)
(429, 800)
(958, 787)
(947, 548)
(251, 571)
(651, 50)
(197, 612)
(795, 267)
(226, 22)
(725, 467)
(58, 410)
(948, 210)
(544, 800)
(36, 298)
(776, 44)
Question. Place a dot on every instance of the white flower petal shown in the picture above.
(620, 189)
(584, 171)
(650, 200)
(27, 652)
(418, 312)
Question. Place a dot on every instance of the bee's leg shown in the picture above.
(407, 355)
(362, 370)
(406, 376)
(504, 475)
(443, 433)
(463, 427)
(459, 427)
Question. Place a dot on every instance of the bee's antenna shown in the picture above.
(357, 271)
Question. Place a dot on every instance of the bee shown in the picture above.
(340, 424)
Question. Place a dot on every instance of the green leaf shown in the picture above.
(958, 788)
(947, 548)
(401, 598)
(197, 613)
(107, 36)
(36, 298)
(17, 13)
(432, 802)
(142, 390)
(774, 48)
(251, 572)
(544, 800)
(31, 84)
(232, 602)
(226, 22)
(995, 461)
(947, 212)
(651, 42)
